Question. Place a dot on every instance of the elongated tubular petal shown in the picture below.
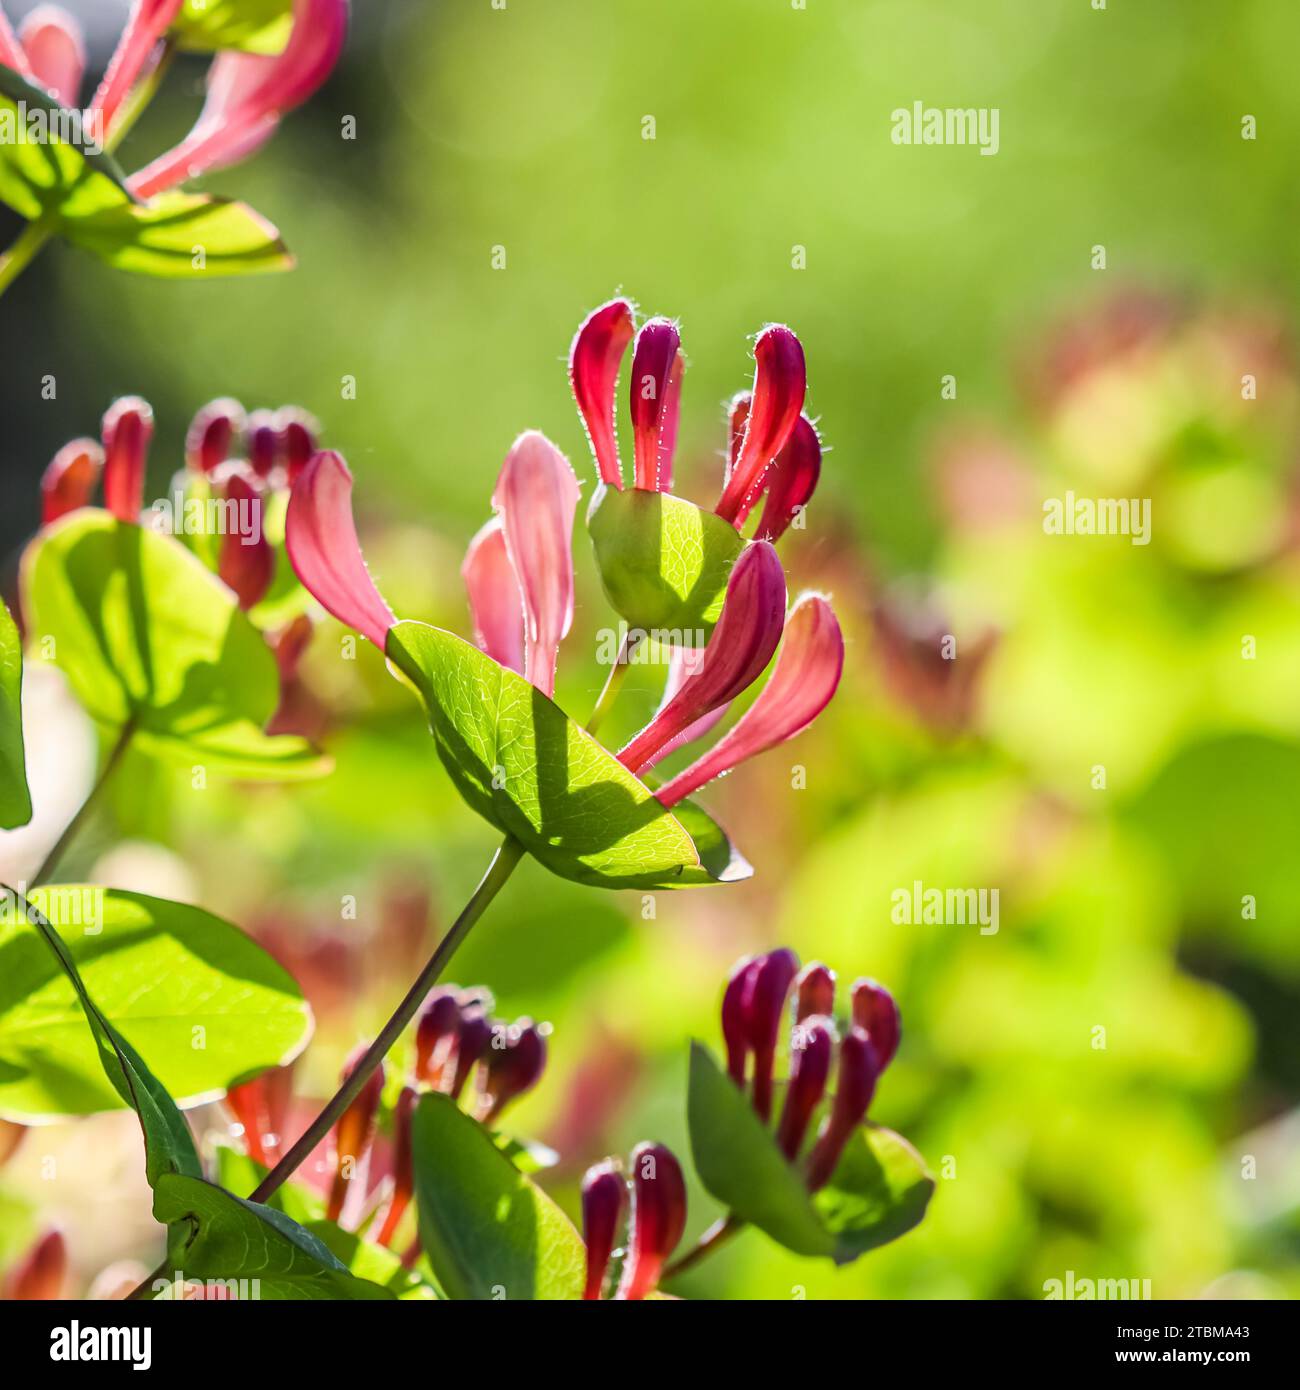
(766, 990)
(355, 1131)
(875, 1011)
(261, 1106)
(127, 431)
(321, 538)
(814, 991)
(436, 1028)
(52, 40)
(403, 1165)
(682, 662)
(148, 21)
(810, 1065)
(780, 381)
(246, 562)
(298, 432)
(247, 95)
(11, 51)
(737, 419)
(473, 1036)
(735, 1029)
(669, 421)
(212, 433)
(495, 602)
(69, 480)
(791, 481)
(746, 635)
(604, 1201)
(805, 677)
(515, 1068)
(855, 1085)
(594, 358)
(537, 497)
(655, 357)
(658, 1218)
(40, 1275)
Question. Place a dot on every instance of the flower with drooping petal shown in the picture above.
(598, 348)
(658, 1218)
(536, 498)
(321, 539)
(70, 479)
(495, 603)
(655, 390)
(128, 430)
(604, 1200)
(52, 40)
(805, 677)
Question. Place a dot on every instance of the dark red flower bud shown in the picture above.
(514, 1066)
(403, 1164)
(128, 429)
(212, 434)
(40, 1275)
(355, 1130)
(604, 1201)
(263, 435)
(875, 1012)
(473, 1037)
(658, 1218)
(436, 1029)
(598, 348)
(655, 397)
(810, 1065)
(299, 433)
(69, 481)
(769, 981)
(814, 991)
(735, 1025)
(855, 1085)
(791, 481)
(246, 561)
(261, 1106)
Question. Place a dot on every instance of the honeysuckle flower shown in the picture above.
(814, 991)
(213, 433)
(604, 1202)
(594, 357)
(299, 432)
(321, 539)
(246, 564)
(473, 1038)
(263, 434)
(806, 675)
(876, 1013)
(261, 1106)
(403, 1165)
(128, 430)
(70, 479)
(655, 390)
(495, 603)
(55, 51)
(513, 1067)
(746, 635)
(536, 498)
(768, 986)
(658, 1218)
(136, 49)
(436, 1028)
(42, 1272)
(854, 1087)
(810, 1066)
(681, 663)
(248, 93)
(354, 1132)
(791, 481)
(735, 1027)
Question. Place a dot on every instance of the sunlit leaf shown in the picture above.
(254, 26)
(15, 799)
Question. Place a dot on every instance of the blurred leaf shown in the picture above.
(486, 1228)
(15, 798)
(159, 970)
(527, 1155)
(146, 634)
(367, 1260)
(877, 1193)
(664, 561)
(190, 236)
(254, 26)
(214, 1235)
(525, 767)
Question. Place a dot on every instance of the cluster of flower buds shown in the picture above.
(658, 1218)
(246, 97)
(754, 1014)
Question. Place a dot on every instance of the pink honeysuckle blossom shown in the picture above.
(655, 393)
(791, 481)
(681, 663)
(71, 478)
(52, 41)
(135, 53)
(604, 1202)
(128, 430)
(536, 498)
(212, 434)
(321, 540)
(594, 357)
(495, 603)
(805, 677)
(658, 1218)
(11, 51)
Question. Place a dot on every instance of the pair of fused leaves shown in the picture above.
(211, 1233)
(147, 636)
(878, 1192)
(535, 774)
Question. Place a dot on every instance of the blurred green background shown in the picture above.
(1162, 906)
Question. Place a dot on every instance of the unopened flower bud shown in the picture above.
(810, 1065)
(604, 1201)
(299, 432)
(473, 1037)
(768, 985)
(355, 1130)
(655, 390)
(40, 1275)
(791, 481)
(246, 562)
(128, 429)
(875, 1011)
(854, 1087)
(403, 1164)
(658, 1218)
(212, 433)
(735, 1028)
(513, 1068)
(54, 47)
(436, 1028)
(814, 991)
(263, 435)
(69, 481)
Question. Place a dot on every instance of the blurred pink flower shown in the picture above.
(495, 603)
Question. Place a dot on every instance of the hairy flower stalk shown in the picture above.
(594, 357)
(604, 1203)
(658, 1218)
(354, 1132)
(70, 479)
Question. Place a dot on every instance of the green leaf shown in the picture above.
(190, 236)
(528, 1155)
(157, 971)
(664, 562)
(15, 799)
(488, 1230)
(214, 1235)
(146, 634)
(255, 26)
(531, 771)
(878, 1192)
(64, 178)
(374, 1262)
(168, 1145)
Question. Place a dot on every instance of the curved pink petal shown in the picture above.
(536, 498)
(495, 603)
(791, 481)
(780, 383)
(69, 480)
(321, 538)
(806, 675)
(148, 21)
(52, 41)
(594, 358)
(654, 397)
(682, 662)
(11, 51)
(127, 433)
(742, 644)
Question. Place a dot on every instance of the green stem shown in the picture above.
(51, 860)
(613, 684)
(24, 250)
(502, 866)
(718, 1234)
